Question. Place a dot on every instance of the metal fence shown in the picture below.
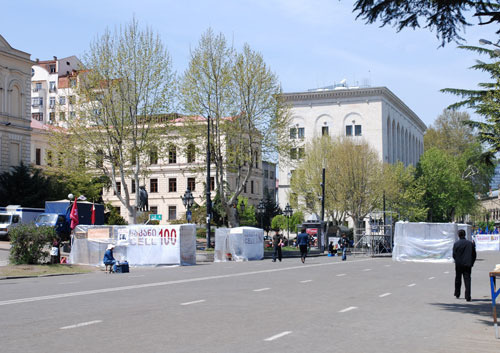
(375, 241)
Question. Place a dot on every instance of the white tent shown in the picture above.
(424, 242)
(139, 244)
(239, 244)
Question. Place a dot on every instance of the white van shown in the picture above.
(15, 214)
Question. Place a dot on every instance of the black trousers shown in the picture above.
(303, 251)
(277, 251)
(465, 272)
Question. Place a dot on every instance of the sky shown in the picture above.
(308, 44)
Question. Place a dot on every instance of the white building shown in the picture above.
(375, 114)
(15, 68)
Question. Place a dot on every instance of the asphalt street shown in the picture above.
(325, 305)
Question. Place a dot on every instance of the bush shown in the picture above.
(28, 243)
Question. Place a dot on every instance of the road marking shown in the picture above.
(168, 283)
(81, 324)
(279, 335)
(348, 309)
(432, 277)
(411, 285)
(306, 281)
(367, 269)
(136, 276)
(261, 289)
(194, 302)
(384, 295)
(446, 272)
(341, 274)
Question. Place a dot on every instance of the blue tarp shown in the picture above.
(84, 210)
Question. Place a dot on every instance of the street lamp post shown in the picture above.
(209, 202)
(188, 200)
(288, 213)
(261, 209)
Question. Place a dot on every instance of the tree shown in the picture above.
(29, 187)
(448, 196)
(402, 192)
(354, 183)
(446, 18)
(241, 96)
(271, 209)
(485, 102)
(127, 83)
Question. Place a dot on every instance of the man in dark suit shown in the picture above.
(464, 254)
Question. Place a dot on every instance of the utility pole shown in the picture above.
(320, 238)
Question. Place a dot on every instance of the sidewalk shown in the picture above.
(4, 245)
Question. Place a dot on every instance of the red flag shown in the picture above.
(74, 216)
(92, 215)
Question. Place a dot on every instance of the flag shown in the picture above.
(92, 215)
(74, 216)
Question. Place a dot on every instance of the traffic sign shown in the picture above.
(155, 217)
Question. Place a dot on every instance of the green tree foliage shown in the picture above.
(271, 209)
(403, 194)
(112, 217)
(246, 213)
(29, 243)
(281, 222)
(127, 84)
(484, 101)
(29, 187)
(452, 133)
(446, 18)
(354, 179)
(448, 196)
(243, 99)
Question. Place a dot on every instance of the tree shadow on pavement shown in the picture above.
(479, 307)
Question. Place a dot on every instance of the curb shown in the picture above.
(48, 275)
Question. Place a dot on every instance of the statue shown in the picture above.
(143, 199)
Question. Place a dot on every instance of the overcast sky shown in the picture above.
(309, 44)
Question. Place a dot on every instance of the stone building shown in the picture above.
(373, 113)
(15, 95)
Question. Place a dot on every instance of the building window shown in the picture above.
(271, 175)
(72, 115)
(52, 86)
(172, 185)
(37, 116)
(172, 155)
(52, 102)
(38, 87)
(153, 156)
(133, 186)
(71, 99)
(191, 182)
(153, 209)
(348, 130)
(153, 185)
(38, 156)
(301, 132)
(191, 153)
(357, 130)
(62, 100)
(172, 212)
(251, 186)
(62, 116)
(212, 183)
(72, 82)
(324, 131)
(37, 101)
(245, 188)
(52, 116)
(302, 152)
(118, 188)
(293, 153)
(293, 133)
(99, 158)
(52, 69)
(266, 173)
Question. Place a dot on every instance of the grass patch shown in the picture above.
(39, 270)
(285, 248)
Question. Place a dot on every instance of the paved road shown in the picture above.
(325, 305)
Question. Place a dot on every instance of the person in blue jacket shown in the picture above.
(109, 259)
(303, 243)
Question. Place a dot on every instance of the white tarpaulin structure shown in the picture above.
(239, 244)
(468, 230)
(487, 242)
(139, 244)
(424, 242)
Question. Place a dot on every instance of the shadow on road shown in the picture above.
(479, 307)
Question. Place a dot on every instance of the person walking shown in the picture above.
(344, 244)
(303, 243)
(464, 254)
(277, 244)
